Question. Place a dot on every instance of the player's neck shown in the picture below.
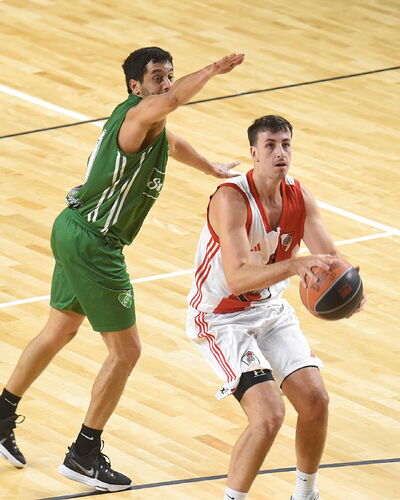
(269, 190)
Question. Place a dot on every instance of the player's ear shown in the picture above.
(134, 85)
(254, 153)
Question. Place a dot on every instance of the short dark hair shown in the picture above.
(135, 64)
(274, 123)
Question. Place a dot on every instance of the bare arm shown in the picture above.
(316, 236)
(228, 218)
(182, 151)
(152, 110)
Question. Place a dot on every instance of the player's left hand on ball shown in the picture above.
(360, 306)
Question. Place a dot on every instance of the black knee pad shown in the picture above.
(248, 379)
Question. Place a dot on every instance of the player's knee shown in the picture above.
(322, 404)
(69, 335)
(269, 422)
(317, 405)
(55, 339)
(129, 355)
(274, 420)
(265, 410)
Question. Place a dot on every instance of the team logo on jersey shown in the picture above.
(126, 298)
(155, 184)
(286, 240)
(249, 357)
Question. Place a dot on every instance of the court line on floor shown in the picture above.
(48, 105)
(389, 231)
(358, 218)
(68, 112)
(224, 476)
(98, 121)
(189, 271)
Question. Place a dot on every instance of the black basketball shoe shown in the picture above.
(93, 469)
(8, 447)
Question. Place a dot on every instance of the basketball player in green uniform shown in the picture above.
(125, 174)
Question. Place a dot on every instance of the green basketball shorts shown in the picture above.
(90, 276)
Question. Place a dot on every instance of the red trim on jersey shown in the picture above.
(256, 196)
(234, 304)
(292, 218)
(203, 271)
(249, 217)
(216, 351)
(210, 228)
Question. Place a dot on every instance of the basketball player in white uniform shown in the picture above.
(238, 319)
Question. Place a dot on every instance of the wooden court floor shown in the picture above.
(331, 68)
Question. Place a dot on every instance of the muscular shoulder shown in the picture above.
(229, 195)
(136, 133)
(227, 208)
(309, 201)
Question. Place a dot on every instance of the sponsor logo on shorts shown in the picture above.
(249, 357)
(126, 298)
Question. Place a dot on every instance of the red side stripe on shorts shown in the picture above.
(202, 268)
(216, 351)
(203, 271)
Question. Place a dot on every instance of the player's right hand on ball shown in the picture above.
(304, 265)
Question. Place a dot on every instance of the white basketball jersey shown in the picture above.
(210, 291)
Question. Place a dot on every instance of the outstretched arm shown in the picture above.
(153, 109)
(182, 151)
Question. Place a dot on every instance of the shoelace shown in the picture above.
(104, 461)
(18, 422)
(12, 424)
(105, 464)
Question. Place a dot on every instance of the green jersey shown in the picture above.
(119, 188)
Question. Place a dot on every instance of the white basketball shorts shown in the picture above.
(267, 336)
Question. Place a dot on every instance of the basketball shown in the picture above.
(333, 294)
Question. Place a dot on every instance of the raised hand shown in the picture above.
(227, 64)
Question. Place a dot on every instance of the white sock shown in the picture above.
(234, 495)
(305, 484)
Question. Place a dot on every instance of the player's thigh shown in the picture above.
(110, 306)
(60, 327)
(263, 403)
(96, 274)
(285, 346)
(64, 321)
(105, 291)
(62, 296)
(225, 342)
(305, 389)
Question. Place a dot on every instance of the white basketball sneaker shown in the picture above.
(313, 496)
